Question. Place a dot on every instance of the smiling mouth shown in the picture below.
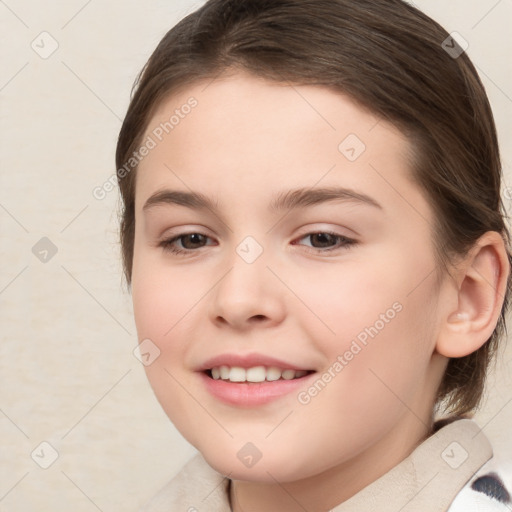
(255, 374)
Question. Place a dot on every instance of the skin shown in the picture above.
(247, 140)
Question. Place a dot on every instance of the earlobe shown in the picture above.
(481, 280)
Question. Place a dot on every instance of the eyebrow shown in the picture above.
(287, 200)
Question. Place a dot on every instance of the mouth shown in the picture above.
(255, 374)
(254, 386)
(253, 379)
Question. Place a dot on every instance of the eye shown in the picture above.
(321, 242)
(325, 241)
(189, 242)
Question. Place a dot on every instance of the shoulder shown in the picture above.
(196, 487)
(490, 489)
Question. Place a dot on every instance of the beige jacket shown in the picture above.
(427, 480)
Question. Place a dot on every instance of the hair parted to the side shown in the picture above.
(388, 57)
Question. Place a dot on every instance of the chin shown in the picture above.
(251, 465)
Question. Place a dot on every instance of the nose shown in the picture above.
(247, 295)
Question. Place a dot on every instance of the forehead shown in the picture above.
(236, 102)
(240, 131)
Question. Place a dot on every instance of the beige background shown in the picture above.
(68, 376)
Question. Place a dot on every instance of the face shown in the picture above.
(309, 249)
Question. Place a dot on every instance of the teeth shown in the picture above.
(237, 374)
(255, 373)
(273, 373)
(288, 374)
(224, 372)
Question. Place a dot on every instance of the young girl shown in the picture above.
(313, 235)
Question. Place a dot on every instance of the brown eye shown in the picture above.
(185, 244)
(325, 241)
(322, 239)
(192, 240)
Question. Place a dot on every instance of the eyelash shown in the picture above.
(346, 243)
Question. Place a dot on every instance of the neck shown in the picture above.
(322, 492)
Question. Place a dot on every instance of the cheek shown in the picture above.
(386, 364)
(163, 303)
(369, 384)
(346, 298)
(162, 298)
(333, 292)
(378, 317)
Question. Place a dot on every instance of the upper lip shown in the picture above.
(249, 361)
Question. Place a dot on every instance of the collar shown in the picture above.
(431, 476)
(427, 480)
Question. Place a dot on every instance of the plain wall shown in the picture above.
(68, 376)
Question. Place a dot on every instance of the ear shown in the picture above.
(481, 283)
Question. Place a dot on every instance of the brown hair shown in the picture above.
(390, 58)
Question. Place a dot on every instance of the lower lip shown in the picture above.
(252, 394)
